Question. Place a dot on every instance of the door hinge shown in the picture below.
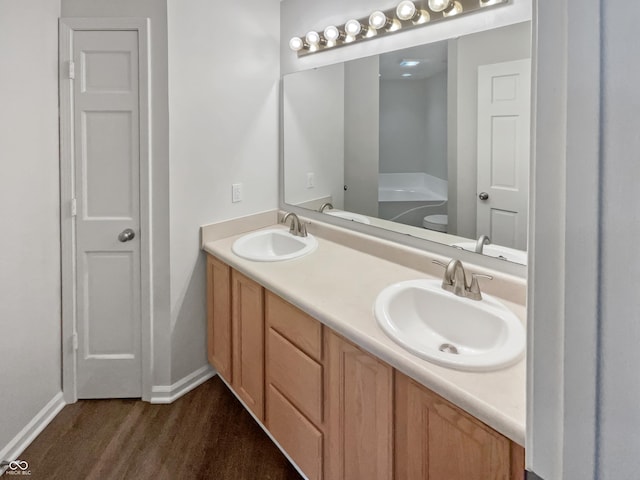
(72, 70)
(74, 207)
(74, 341)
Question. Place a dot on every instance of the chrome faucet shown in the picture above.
(482, 241)
(455, 280)
(325, 205)
(297, 228)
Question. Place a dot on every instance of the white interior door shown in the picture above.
(504, 119)
(106, 135)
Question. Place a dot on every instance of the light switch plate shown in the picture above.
(236, 192)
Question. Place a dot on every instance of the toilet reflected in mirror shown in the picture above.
(437, 223)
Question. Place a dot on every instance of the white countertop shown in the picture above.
(338, 285)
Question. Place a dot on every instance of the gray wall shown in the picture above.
(583, 387)
(413, 126)
(361, 135)
(223, 100)
(30, 306)
(619, 440)
(313, 117)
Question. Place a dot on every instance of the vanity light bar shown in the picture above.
(408, 14)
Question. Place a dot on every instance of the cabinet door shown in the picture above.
(359, 412)
(219, 316)
(248, 342)
(437, 441)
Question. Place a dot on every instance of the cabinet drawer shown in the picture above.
(299, 438)
(295, 374)
(294, 325)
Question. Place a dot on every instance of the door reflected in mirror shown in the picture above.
(430, 141)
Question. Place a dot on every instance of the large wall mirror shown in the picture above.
(430, 141)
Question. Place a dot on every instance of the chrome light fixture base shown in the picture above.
(397, 22)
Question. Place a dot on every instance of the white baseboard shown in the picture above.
(170, 393)
(22, 440)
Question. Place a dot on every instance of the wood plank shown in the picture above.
(359, 413)
(219, 316)
(248, 342)
(297, 376)
(517, 462)
(437, 440)
(293, 324)
(207, 434)
(302, 441)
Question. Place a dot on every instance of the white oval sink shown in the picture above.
(356, 217)
(434, 324)
(497, 251)
(273, 245)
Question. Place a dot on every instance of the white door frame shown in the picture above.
(67, 193)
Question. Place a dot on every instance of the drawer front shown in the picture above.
(300, 438)
(296, 375)
(294, 325)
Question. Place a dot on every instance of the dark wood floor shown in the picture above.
(206, 434)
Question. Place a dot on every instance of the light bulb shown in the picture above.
(406, 10)
(378, 20)
(296, 44)
(313, 38)
(353, 27)
(332, 33)
(439, 5)
(454, 9)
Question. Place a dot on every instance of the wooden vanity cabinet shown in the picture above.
(339, 412)
(247, 319)
(359, 406)
(235, 332)
(294, 384)
(435, 440)
(219, 316)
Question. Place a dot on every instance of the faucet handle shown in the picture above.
(302, 228)
(474, 288)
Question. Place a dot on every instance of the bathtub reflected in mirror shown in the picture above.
(437, 150)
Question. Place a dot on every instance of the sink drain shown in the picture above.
(448, 348)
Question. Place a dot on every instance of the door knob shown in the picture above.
(483, 196)
(126, 235)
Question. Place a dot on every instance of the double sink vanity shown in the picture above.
(364, 358)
